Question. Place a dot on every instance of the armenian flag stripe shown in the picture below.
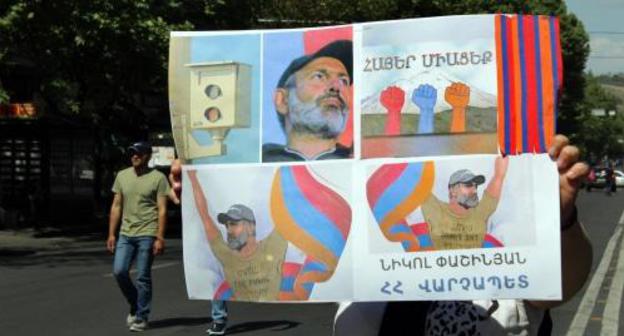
(529, 66)
(306, 215)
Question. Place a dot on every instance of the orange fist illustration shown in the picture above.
(457, 95)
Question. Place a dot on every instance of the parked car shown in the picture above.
(600, 178)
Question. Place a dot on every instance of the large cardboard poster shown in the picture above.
(362, 162)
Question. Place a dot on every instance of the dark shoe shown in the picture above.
(217, 329)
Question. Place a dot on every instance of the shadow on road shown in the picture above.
(24, 258)
(235, 329)
(179, 321)
(252, 326)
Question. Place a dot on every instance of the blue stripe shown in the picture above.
(288, 284)
(226, 295)
(308, 286)
(398, 191)
(555, 60)
(425, 240)
(540, 108)
(525, 135)
(314, 266)
(400, 228)
(309, 218)
(506, 83)
(406, 245)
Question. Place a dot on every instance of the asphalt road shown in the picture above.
(70, 291)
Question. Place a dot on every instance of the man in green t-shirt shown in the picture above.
(252, 268)
(141, 203)
(462, 222)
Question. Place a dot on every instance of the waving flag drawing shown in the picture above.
(393, 192)
(316, 220)
(224, 291)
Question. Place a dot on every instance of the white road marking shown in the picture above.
(579, 323)
(611, 315)
(154, 267)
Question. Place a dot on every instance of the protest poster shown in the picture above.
(363, 162)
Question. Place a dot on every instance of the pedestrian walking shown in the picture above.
(141, 203)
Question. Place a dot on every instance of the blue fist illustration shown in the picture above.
(425, 97)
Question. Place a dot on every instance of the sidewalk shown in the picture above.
(29, 241)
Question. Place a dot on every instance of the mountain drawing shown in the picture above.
(440, 80)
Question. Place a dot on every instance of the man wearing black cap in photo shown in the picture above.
(141, 203)
(252, 267)
(462, 223)
(312, 100)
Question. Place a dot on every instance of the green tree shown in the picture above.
(101, 62)
(104, 62)
(601, 135)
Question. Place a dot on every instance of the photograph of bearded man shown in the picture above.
(312, 100)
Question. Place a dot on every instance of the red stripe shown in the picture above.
(529, 47)
(492, 240)
(381, 179)
(323, 199)
(223, 287)
(420, 229)
(290, 269)
(511, 98)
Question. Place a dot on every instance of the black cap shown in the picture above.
(141, 147)
(341, 50)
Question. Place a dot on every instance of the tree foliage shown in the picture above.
(602, 135)
(105, 61)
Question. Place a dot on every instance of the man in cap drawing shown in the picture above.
(252, 267)
(461, 223)
(312, 101)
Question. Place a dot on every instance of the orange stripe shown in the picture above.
(548, 96)
(515, 67)
(501, 91)
(286, 226)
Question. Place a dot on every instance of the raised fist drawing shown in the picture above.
(393, 98)
(425, 97)
(457, 95)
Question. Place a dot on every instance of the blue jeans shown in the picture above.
(219, 311)
(139, 297)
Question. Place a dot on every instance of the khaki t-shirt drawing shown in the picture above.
(140, 201)
(451, 231)
(257, 277)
